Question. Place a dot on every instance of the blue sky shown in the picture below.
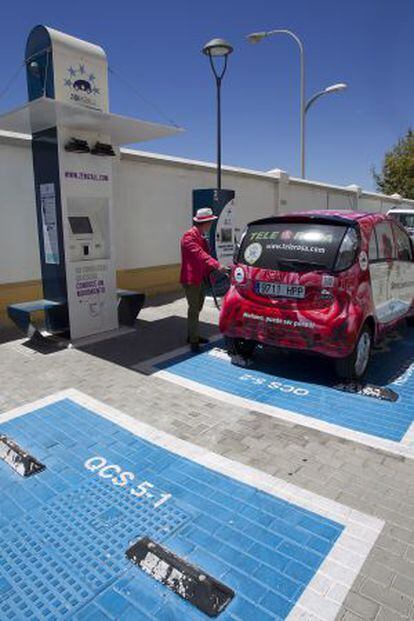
(156, 47)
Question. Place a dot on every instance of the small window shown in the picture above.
(386, 248)
(373, 247)
(406, 219)
(403, 245)
(347, 250)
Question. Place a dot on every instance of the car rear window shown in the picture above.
(291, 245)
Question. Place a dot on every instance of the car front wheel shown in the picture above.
(354, 366)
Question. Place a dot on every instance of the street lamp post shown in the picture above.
(256, 37)
(213, 49)
(333, 88)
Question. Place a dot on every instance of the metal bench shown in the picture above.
(130, 304)
(21, 314)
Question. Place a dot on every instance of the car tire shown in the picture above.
(240, 347)
(354, 366)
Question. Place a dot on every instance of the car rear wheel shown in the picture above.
(240, 347)
(354, 366)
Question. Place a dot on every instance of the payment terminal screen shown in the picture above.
(80, 225)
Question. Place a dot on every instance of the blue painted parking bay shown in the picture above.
(64, 532)
(307, 386)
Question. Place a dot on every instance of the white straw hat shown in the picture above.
(204, 215)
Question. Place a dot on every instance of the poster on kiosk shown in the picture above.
(75, 141)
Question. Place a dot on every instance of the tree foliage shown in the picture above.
(397, 173)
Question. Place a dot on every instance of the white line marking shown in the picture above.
(147, 366)
(404, 448)
(323, 597)
(408, 438)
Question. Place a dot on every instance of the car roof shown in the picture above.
(401, 210)
(327, 216)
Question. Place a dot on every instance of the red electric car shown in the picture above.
(328, 282)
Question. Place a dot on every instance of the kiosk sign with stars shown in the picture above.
(81, 85)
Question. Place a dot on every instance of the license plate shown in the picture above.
(280, 290)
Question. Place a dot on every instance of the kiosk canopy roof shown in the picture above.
(44, 113)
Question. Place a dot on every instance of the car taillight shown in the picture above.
(347, 251)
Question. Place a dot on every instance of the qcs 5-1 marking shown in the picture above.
(124, 478)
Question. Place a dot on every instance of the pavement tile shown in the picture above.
(404, 585)
(347, 615)
(388, 597)
(385, 614)
(362, 606)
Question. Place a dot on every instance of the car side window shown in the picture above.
(373, 247)
(403, 245)
(386, 247)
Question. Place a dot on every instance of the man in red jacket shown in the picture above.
(196, 265)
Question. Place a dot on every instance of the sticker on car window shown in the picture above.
(239, 274)
(252, 253)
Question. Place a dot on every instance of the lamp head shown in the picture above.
(34, 68)
(256, 37)
(336, 87)
(217, 47)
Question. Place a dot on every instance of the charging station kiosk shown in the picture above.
(75, 141)
(223, 233)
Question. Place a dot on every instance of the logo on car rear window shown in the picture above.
(252, 253)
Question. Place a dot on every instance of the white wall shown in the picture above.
(342, 200)
(19, 257)
(153, 206)
(371, 204)
(153, 195)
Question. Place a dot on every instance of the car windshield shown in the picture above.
(292, 246)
